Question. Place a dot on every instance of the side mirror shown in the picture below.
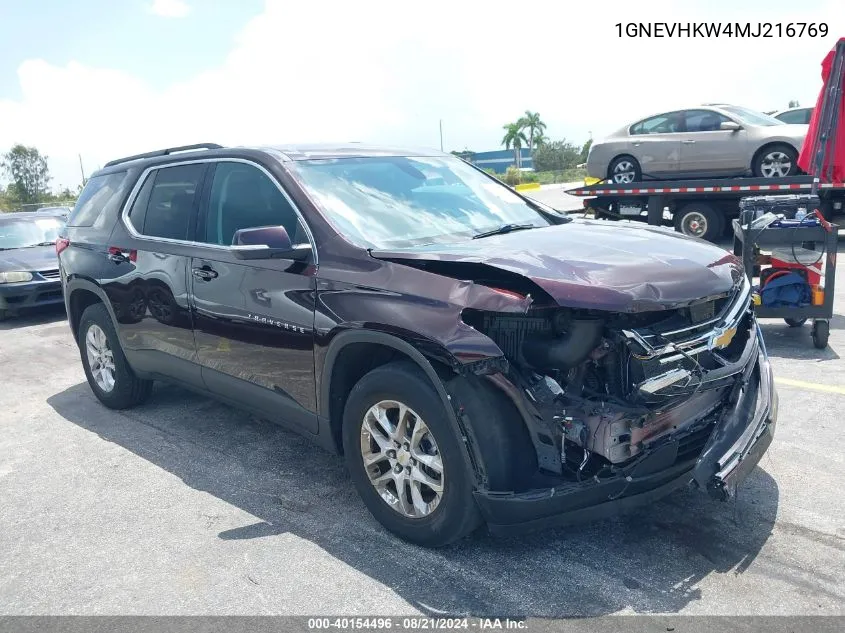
(730, 126)
(268, 242)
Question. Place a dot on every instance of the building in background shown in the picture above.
(498, 160)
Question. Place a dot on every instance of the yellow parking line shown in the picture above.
(812, 386)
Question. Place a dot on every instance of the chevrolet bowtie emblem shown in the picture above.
(724, 339)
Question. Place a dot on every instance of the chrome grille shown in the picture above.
(693, 338)
(50, 274)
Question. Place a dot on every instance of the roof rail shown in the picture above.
(164, 152)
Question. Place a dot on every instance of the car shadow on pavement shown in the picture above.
(650, 561)
(783, 341)
(47, 314)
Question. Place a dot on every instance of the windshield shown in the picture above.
(752, 117)
(22, 233)
(397, 201)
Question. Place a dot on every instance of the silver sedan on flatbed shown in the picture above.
(699, 142)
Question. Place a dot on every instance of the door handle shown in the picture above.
(687, 142)
(206, 273)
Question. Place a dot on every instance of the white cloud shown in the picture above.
(388, 71)
(170, 8)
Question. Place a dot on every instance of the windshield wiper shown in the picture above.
(505, 228)
(53, 243)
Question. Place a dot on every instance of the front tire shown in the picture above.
(405, 459)
(776, 161)
(109, 374)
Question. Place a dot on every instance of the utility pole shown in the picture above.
(441, 135)
(82, 169)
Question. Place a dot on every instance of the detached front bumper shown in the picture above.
(30, 294)
(717, 463)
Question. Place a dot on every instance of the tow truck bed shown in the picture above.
(701, 208)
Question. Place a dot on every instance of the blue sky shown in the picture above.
(110, 78)
(123, 34)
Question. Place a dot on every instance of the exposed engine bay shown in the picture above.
(603, 389)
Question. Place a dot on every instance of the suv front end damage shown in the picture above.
(623, 408)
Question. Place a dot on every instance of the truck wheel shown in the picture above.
(700, 220)
(404, 458)
(624, 169)
(776, 161)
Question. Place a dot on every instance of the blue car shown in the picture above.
(29, 269)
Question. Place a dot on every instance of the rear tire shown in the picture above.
(776, 161)
(109, 374)
(624, 169)
(442, 520)
(700, 220)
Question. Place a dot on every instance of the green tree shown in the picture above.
(556, 156)
(5, 202)
(29, 173)
(532, 122)
(585, 150)
(514, 138)
(793, 103)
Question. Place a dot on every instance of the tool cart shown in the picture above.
(805, 247)
(800, 284)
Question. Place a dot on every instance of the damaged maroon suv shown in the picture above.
(476, 356)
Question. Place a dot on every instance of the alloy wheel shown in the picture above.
(402, 459)
(624, 172)
(775, 165)
(100, 358)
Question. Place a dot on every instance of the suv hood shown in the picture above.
(33, 258)
(595, 265)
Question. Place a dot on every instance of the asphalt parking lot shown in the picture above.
(186, 506)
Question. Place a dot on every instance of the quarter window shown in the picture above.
(243, 197)
(166, 202)
(101, 194)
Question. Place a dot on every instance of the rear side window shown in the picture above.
(101, 196)
(662, 124)
(166, 202)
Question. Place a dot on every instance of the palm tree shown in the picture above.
(535, 126)
(514, 137)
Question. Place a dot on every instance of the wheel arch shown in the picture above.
(80, 294)
(372, 348)
(769, 144)
(353, 353)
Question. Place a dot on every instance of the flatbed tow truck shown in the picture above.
(700, 208)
